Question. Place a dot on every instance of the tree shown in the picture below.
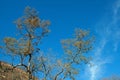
(77, 49)
(31, 30)
(26, 46)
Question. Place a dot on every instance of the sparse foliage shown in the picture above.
(32, 29)
(76, 50)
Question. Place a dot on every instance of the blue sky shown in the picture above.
(102, 17)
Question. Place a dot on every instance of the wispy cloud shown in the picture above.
(97, 63)
(109, 36)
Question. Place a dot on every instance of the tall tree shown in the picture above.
(25, 47)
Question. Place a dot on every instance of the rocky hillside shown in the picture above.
(7, 73)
